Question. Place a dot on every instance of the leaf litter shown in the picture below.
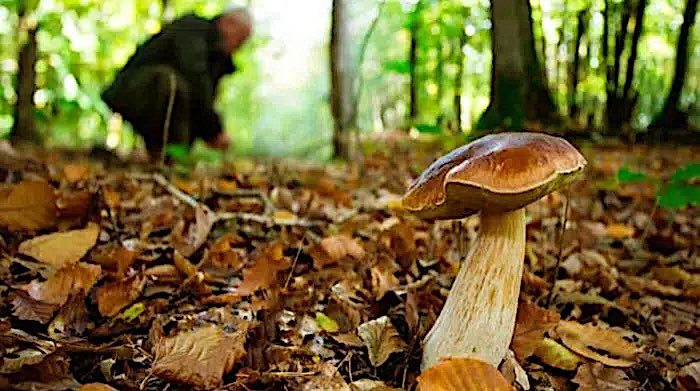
(279, 275)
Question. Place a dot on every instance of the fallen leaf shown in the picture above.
(674, 275)
(73, 204)
(133, 312)
(264, 271)
(72, 317)
(96, 387)
(188, 244)
(335, 248)
(514, 372)
(371, 385)
(114, 296)
(383, 279)
(184, 265)
(327, 380)
(582, 339)
(61, 248)
(28, 206)
(199, 358)
(68, 280)
(463, 374)
(689, 377)
(556, 355)
(282, 216)
(26, 308)
(50, 374)
(381, 339)
(76, 172)
(326, 323)
(530, 326)
(619, 231)
(595, 376)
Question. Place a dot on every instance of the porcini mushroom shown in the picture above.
(496, 175)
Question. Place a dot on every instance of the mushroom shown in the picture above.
(496, 175)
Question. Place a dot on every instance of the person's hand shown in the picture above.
(222, 141)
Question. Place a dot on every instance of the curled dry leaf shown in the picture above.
(463, 374)
(381, 338)
(198, 358)
(197, 234)
(556, 355)
(114, 296)
(28, 206)
(595, 376)
(61, 248)
(26, 308)
(514, 372)
(531, 324)
(72, 317)
(335, 248)
(583, 339)
(68, 280)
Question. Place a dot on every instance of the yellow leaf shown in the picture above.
(556, 355)
(326, 323)
(284, 216)
(463, 374)
(76, 172)
(582, 339)
(28, 206)
(96, 387)
(619, 231)
(61, 248)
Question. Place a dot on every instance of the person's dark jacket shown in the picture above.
(192, 46)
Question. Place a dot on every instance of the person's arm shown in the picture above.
(191, 51)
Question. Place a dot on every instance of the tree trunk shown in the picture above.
(580, 28)
(24, 127)
(518, 85)
(628, 100)
(671, 116)
(615, 106)
(413, 61)
(459, 78)
(341, 64)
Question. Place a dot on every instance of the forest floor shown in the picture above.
(290, 276)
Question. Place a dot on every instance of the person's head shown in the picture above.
(236, 27)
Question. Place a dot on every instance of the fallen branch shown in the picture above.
(243, 193)
(265, 219)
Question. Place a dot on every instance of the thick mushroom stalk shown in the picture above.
(478, 317)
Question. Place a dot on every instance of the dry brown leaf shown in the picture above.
(50, 374)
(68, 280)
(531, 324)
(583, 339)
(327, 380)
(26, 308)
(371, 385)
(74, 204)
(187, 244)
(381, 338)
(28, 206)
(556, 355)
(198, 358)
(72, 317)
(337, 247)
(463, 374)
(184, 265)
(61, 248)
(595, 376)
(514, 372)
(114, 296)
(689, 377)
(96, 387)
(383, 279)
(264, 271)
(619, 231)
(76, 172)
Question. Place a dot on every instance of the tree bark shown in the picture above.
(24, 127)
(671, 116)
(341, 79)
(459, 78)
(413, 61)
(518, 85)
(580, 28)
(632, 59)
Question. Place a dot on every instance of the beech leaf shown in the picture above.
(582, 339)
(531, 324)
(463, 374)
(28, 206)
(595, 376)
(381, 338)
(114, 296)
(68, 280)
(61, 248)
(556, 355)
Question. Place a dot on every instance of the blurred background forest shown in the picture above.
(593, 67)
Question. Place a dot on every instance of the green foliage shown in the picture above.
(680, 190)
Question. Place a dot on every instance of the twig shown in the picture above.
(168, 114)
(561, 247)
(294, 264)
(177, 193)
(263, 219)
(242, 193)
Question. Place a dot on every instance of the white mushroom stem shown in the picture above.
(478, 317)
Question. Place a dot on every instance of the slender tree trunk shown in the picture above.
(615, 105)
(627, 100)
(518, 86)
(341, 79)
(671, 116)
(24, 127)
(459, 78)
(413, 61)
(580, 29)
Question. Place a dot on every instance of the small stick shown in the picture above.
(269, 206)
(294, 264)
(561, 247)
(177, 193)
(264, 219)
(168, 114)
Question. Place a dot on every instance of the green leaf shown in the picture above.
(326, 323)
(428, 128)
(678, 195)
(133, 312)
(625, 175)
(686, 173)
(177, 151)
(398, 66)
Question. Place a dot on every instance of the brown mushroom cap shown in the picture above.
(498, 172)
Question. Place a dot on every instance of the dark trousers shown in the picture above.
(142, 97)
